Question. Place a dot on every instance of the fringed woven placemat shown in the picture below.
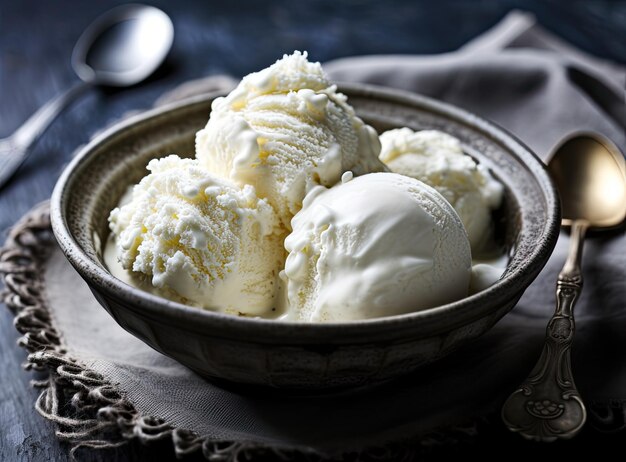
(100, 396)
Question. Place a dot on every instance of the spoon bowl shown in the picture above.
(124, 46)
(589, 173)
(590, 176)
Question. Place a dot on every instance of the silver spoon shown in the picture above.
(590, 175)
(120, 48)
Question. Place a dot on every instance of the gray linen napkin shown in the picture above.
(530, 83)
(518, 75)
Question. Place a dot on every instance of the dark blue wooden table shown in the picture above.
(233, 37)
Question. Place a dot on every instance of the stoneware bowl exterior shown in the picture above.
(289, 355)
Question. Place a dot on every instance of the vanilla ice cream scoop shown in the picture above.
(437, 159)
(376, 245)
(209, 242)
(284, 130)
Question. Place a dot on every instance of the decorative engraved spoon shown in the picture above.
(121, 48)
(590, 175)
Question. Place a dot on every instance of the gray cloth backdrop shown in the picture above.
(523, 79)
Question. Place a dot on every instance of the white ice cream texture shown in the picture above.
(377, 245)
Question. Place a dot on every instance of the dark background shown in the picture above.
(234, 37)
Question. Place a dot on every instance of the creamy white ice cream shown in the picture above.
(377, 245)
(280, 153)
(437, 159)
(200, 238)
(284, 130)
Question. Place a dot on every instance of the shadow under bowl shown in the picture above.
(302, 356)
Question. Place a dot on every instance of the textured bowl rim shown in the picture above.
(427, 322)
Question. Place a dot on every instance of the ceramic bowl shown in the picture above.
(299, 355)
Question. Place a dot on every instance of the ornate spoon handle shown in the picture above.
(547, 405)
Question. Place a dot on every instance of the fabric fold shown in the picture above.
(517, 75)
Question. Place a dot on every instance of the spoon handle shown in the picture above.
(547, 405)
(14, 149)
